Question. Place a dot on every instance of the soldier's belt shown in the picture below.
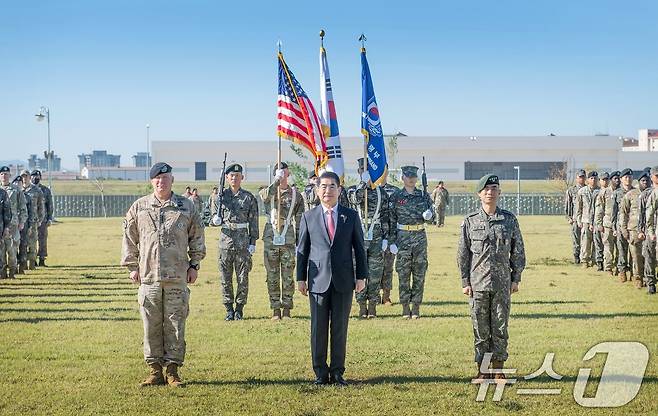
(416, 227)
(235, 226)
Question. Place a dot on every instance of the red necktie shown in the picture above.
(330, 225)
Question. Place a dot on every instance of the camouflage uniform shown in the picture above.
(570, 212)
(10, 243)
(377, 225)
(490, 258)
(32, 217)
(651, 225)
(407, 232)
(648, 247)
(280, 259)
(43, 226)
(585, 217)
(38, 203)
(603, 218)
(5, 223)
(623, 263)
(629, 216)
(237, 233)
(440, 196)
(389, 258)
(311, 199)
(161, 239)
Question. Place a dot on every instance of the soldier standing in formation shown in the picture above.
(280, 238)
(48, 217)
(491, 258)
(32, 217)
(39, 207)
(212, 201)
(389, 258)
(585, 199)
(570, 212)
(11, 238)
(630, 224)
(163, 245)
(441, 199)
(604, 182)
(650, 225)
(5, 224)
(623, 262)
(603, 220)
(410, 209)
(311, 199)
(375, 232)
(238, 220)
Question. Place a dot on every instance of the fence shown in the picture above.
(460, 204)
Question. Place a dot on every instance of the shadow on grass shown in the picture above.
(523, 302)
(84, 266)
(255, 382)
(78, 282)
(55, 286)
(66, 319)
(68, 310)
(64, 295)
(62, 302)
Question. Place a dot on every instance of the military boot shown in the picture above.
(599, 266)
(576, 259)
(622, 277)
(372, 310)
(363, 310)
(276, 314)
(173, 379)
(238, 311)
(386, 297)
(42, 262)
(22, 266)
(415, 311)
(480, 376)
(638, 282)
(11, 272)
(31, 265)
(286, 313)
(155, 377)
(230, 313)
(651, 289)
(406, 312)
(498, 365)
(3, 273)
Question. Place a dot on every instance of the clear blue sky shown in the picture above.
(206, 70)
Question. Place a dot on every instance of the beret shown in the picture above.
(4, 169)
(627, 171)
(159, 168)
(489, 179)
(233, 167)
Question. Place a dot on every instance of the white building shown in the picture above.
(448, 158)
(125, 173)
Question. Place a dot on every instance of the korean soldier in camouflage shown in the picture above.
(375, 232)
(238, 219)
(163, 245)
(389, 258)
(280, 238)
(623, 261)
(5, 224)
(585, 200)
(603, 220)
(31, 219)
(632, 229)
(491, 258)
(651, 220)
(49, 210)
(570, 212)
(12, 239)
(38, 204)
(441, 199)
(409, 210)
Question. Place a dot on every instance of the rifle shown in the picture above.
(222, 184)
(423, 179)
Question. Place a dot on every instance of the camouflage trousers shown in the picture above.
(22, 245)
(440, 215)
(649, 252)
(586, 244)
(623, 261)
(375, 271)
(239, 261)
(387, 275)
(490, 317)
(598, 245)
(610, 252)
(9, 248)
(635, 249)
(29, 241)
(575, 239)
(412, 263)
(164, 309)
(43, 240)
(279, 265)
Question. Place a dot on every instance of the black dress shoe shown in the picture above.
(321, 381)
(338, 380)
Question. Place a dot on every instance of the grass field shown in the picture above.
(72, 337)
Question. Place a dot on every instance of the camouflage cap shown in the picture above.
(627, 171)
(581, 173)
(489, 179)
(4, 169)
(234, 167)
(593, 174)
(605, 176)
(159, 168)
(410, 171)
(614, 173)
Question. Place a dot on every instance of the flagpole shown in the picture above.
(278, 166)
(362, 38)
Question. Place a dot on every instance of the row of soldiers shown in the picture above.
(27, 211)
(613, 223)
(393, 221)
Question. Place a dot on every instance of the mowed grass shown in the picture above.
(72, 338)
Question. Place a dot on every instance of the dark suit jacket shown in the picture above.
(321, 263)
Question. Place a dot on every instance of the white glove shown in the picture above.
(251, 249)
(393, 249)
(365, 177)
(384, 245)
(427, 215)
(216, 221)
(278, 174)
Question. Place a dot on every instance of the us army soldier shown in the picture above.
(585, 218)
(48, 219)
(38, 203)
(650, 224)
(441, 198)
(163, 245)
(491, 258)
(603, 220)
(570, 212)
(632, 229)
(238, 220)
(280, 238)
(5, 223)
(623, 260)
(11, 242)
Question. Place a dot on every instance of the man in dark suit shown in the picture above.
(330, 244)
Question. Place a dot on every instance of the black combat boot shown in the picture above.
(599, 266)
(230, 313)
(276, 314)
(22, 266)
(406, 311)
(42, 262)
(372, 310)
(363, 310)
(415, 311)
(651, 289)
(238, 312)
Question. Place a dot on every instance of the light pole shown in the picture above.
(44, 112)
(148, 149)
(518, 189)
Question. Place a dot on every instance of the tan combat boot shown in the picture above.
(622, 277)
(155, 377)
(498, 365)
(372, 310)
(638, 281)
(386, 297)
(31, 265)
(415, 311)
(286, 313)
(406, 312)
(276, 314)
(363, 311)
(173, 379)
(480, 376)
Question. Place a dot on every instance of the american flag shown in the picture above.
(297, 119)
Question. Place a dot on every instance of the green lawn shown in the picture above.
(72, 335)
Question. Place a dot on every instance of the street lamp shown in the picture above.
(518, 189)
(44, 112)
(148, 149)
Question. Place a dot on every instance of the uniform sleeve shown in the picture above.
(297, 213)
(253, 221)
(267, 193)
(592, 208)
(393, 220)
(48, 195)
(384, 214)
(579, 207)
(599, 208)
(624, 210)
(464, 255)
(22, 208)
(430, 207)
(517, 253)
(196, 240)
(641, 221)
(447, 197)
(568, 208)
(651, 213)
(41, 209)
(130, 244)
